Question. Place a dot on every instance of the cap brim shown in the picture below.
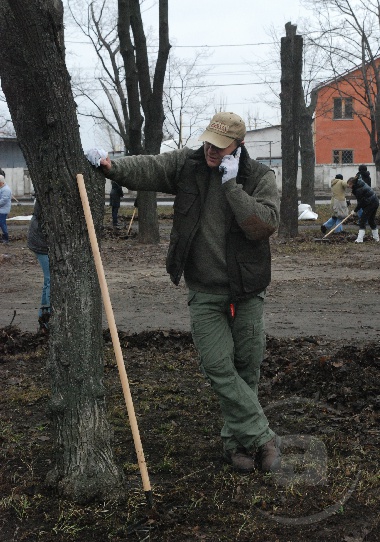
(220, 141)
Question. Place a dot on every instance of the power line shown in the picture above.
(191, 46)
(207, 86)
(227, 45)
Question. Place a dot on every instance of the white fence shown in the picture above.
(325, 173)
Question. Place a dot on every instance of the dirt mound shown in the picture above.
(345, 377)
(13, 342)
(312, 391)
(163, 340)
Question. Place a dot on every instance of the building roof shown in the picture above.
(342, 76)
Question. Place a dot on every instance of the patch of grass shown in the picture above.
(26, 395)
(20, 504)
(68, 522)
(9, 437)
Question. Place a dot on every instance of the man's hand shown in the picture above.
(105, 164)
(230, 165)
(96, 155)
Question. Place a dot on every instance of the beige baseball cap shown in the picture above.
(223, 129)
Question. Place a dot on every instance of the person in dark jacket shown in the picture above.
(37, 243)
(115, 196)
(368, 201)
(364, 174)
(226, 207)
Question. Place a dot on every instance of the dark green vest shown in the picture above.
(248, 262)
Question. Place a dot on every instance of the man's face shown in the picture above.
(214, 155)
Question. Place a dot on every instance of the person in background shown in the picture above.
(365, 174)
(366, 177)
(37, 243)
(115, 196)
(368, 201)
(5, 207)
(338, 204)
(226, 208)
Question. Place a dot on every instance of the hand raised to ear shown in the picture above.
(230, 165)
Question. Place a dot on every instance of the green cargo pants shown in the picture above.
(231, 350)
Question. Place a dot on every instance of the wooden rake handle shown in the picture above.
(115, 339)
(337, 226)
(130, 224)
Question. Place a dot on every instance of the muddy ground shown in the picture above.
(328, 289)
(319, 388)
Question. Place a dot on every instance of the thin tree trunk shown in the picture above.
(307, 151)
(36, 84)
(137, 74)
(376, 149)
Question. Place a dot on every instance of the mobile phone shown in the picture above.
(235, 151)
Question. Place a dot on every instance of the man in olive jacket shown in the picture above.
(226, 208)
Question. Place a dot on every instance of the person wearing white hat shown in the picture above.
(226, 207)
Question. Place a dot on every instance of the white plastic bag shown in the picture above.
(305, 212)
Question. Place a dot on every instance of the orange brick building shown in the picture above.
(340, 137)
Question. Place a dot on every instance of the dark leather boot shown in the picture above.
(269, 455)
(240, 460)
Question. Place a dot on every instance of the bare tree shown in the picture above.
(36, 84)
(134, 96)
(221, 104)
(313, 72)
(349, 33)
(98, 22)
(141, 89)
(186, 99)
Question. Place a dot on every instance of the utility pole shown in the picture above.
(270, 148)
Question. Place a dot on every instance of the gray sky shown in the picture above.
(236, 35)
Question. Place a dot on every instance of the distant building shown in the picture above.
(13, 163)
(342, 123)
(264, 145)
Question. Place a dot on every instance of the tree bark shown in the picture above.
(307, 150)
(291, 86)
(36, 84)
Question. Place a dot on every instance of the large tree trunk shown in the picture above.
(291, 87)
(36, 84)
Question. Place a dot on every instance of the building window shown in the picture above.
(343, 157)
(343, 108)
